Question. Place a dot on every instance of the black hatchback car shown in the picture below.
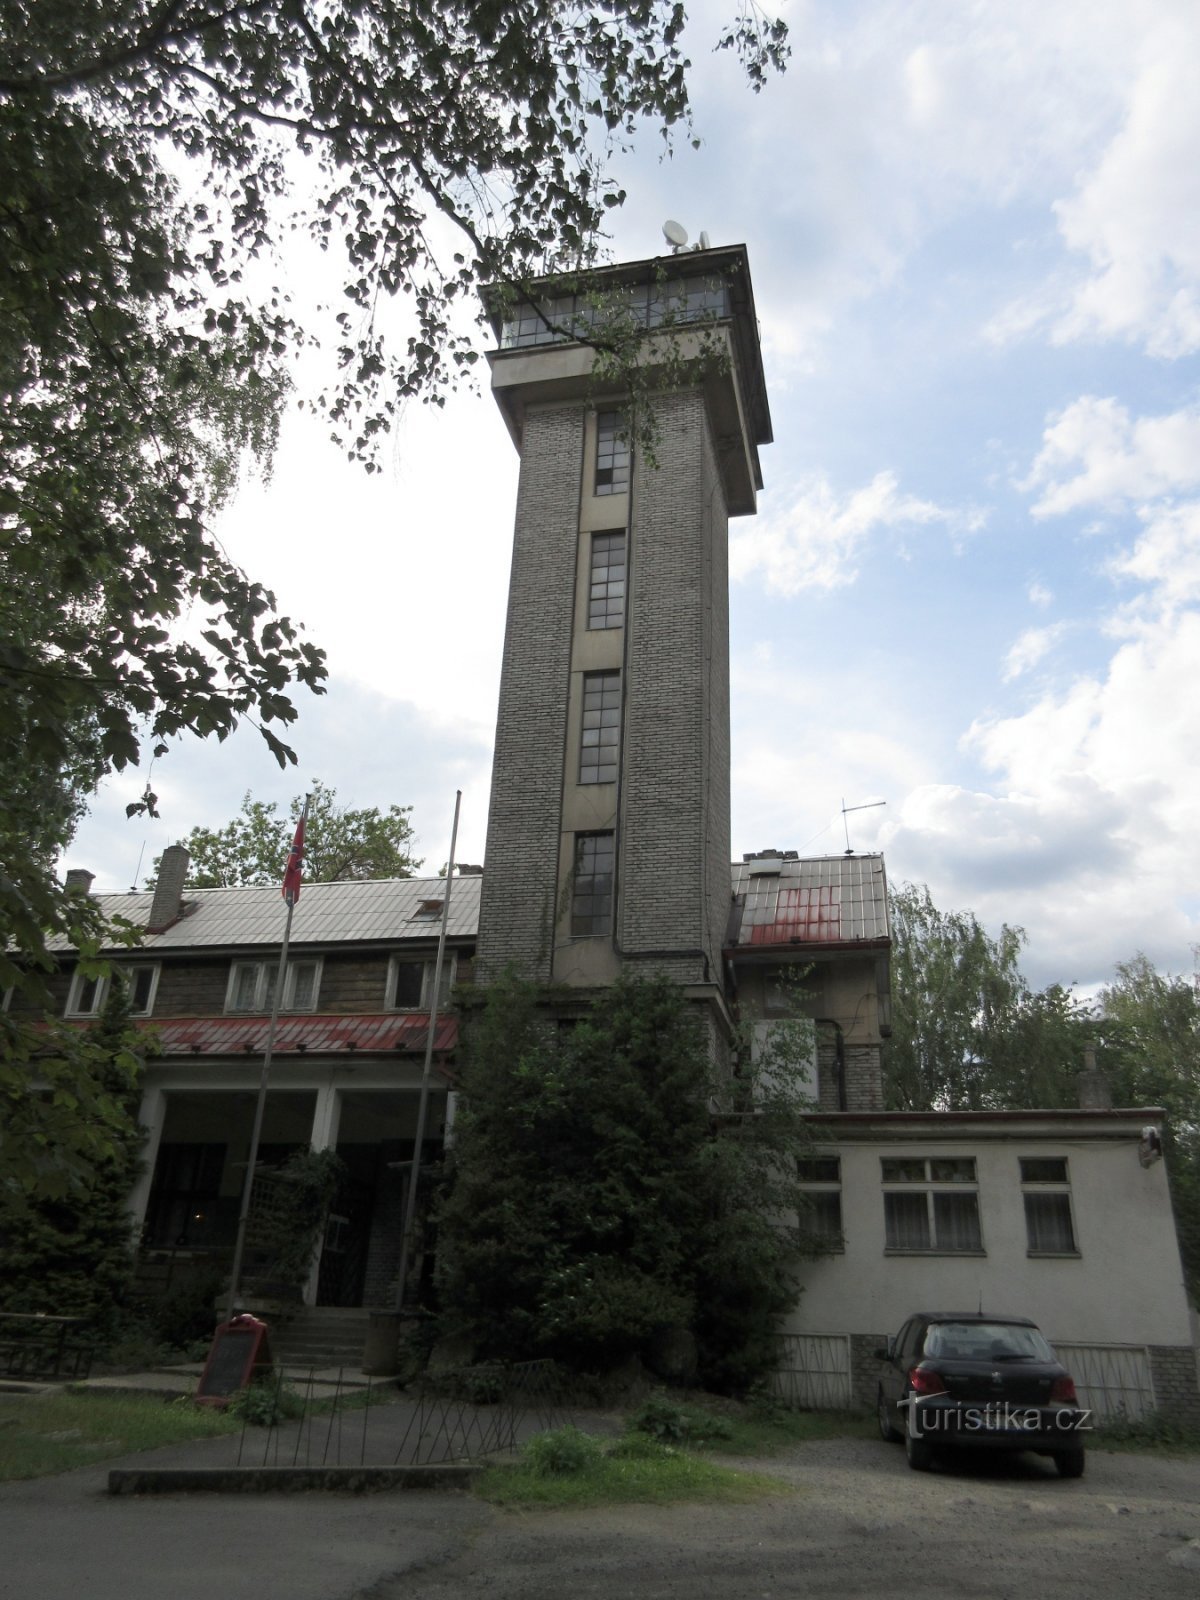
(978, 1381)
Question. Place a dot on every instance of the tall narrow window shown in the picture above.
(601, 727)
(821, 1184)
(606, 594)
(612, 454)
(1047, 1194)
(592, 893)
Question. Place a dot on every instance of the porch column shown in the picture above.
(152, 1114)
(324, 1136)
(326, 1118)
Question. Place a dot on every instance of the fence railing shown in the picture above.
(300, 1419)
(1113, 1381)
(37, 1346)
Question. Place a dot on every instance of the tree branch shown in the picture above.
(158, 33)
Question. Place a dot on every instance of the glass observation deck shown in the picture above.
(696, 297)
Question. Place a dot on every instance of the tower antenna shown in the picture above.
(870, 805)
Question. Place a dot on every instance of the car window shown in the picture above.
(985, 1341)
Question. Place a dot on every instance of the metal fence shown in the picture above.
(302, 1419)
(813, 1373)
(36, 1346)
(1113, 1380)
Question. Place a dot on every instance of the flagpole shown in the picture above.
(410, 1209)
(239, 1248)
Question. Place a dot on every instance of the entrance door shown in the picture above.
(342, 1273)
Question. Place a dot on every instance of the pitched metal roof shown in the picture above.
(372, 911)
(821, 900)
(311, 1035)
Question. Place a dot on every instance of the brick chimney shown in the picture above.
(168, 890)
(1095, 1094)
(79, 881)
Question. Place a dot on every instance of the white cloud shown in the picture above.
(1039, 595)
(1137, 215)
(1032, 646)
(818, 540)
(1112, 759)
(395, 575)
(1094, 453)
(1166, 556)
(1014, 840)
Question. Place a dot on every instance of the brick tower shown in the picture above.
(608, 830)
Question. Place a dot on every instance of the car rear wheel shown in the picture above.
(886, 1432)
(1069, 1463)
(920, 1454)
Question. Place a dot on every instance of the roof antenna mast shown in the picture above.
(869, 806)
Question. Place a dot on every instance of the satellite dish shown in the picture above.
(704, 242)
(674, 234)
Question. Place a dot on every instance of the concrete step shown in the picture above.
(322, 1336)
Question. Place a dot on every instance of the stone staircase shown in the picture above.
(322, 1337)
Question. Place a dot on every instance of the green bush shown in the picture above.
(70, 1252)
(637, 1447)
(593, 1201)
(185, 1313)
(265, 1405)
(562, 1454)
(669, 1422)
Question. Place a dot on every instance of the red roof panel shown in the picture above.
(812, 915)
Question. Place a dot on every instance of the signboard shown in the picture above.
(238, 1354)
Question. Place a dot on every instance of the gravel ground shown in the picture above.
(858, 1522)
(851, 1521)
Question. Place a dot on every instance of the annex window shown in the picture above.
(821, 1184)
(1046, 1191)
(592, 892)
(88, 995)
(410, 982)
(252, 986)
(428, 911)
(606, 587)
(612, 454)
(601, 727)
(931, 1203)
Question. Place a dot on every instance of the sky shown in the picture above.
(972, 588)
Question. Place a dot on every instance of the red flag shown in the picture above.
(295, 862)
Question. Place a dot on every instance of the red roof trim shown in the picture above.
(391, 1032)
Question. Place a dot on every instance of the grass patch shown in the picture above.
(732, 1428)
(48, 1433)
(751, 1435)
(559, 1472)
(1154, 1433)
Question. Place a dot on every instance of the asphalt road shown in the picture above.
(852, 1521)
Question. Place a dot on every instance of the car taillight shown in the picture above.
(1064, 1389)
(922, 1380)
